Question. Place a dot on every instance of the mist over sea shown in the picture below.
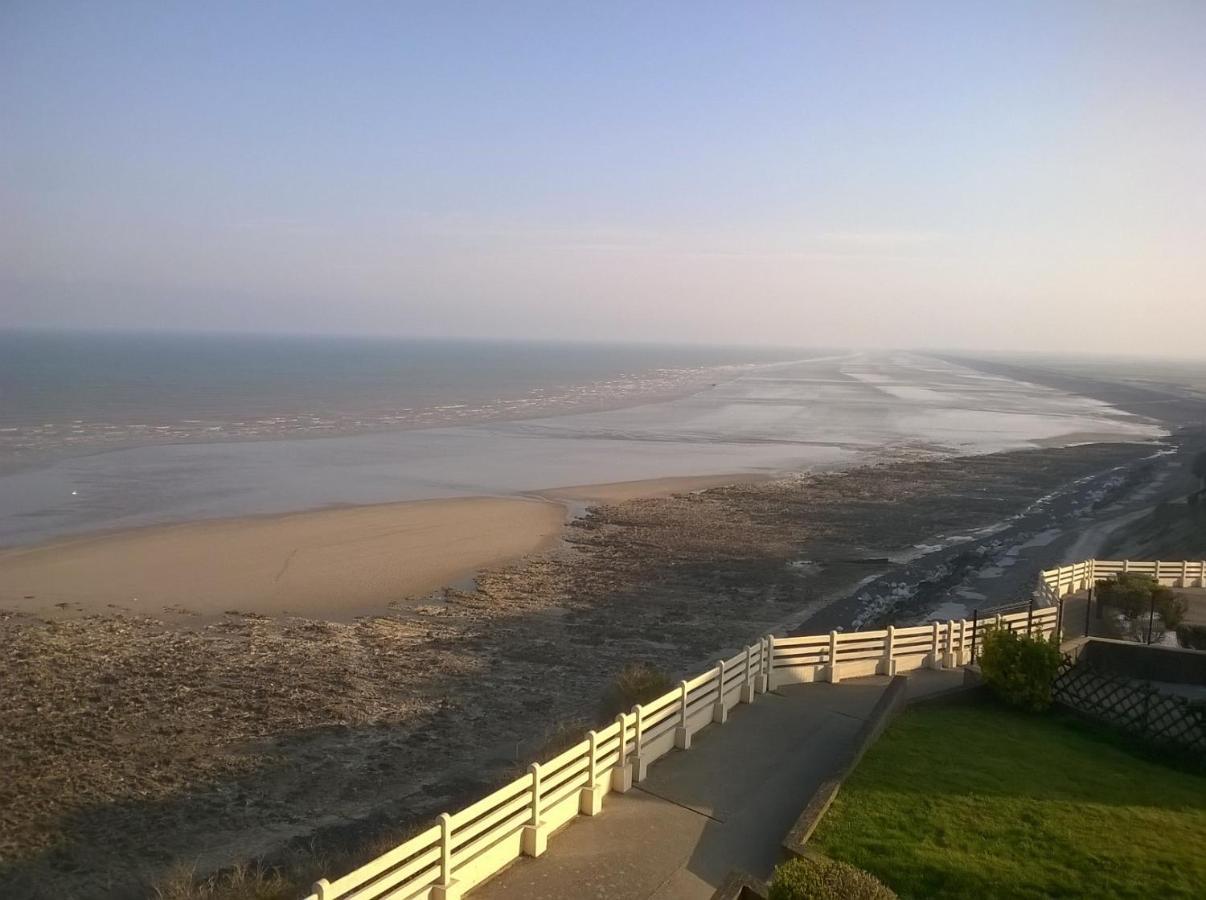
(114, 431)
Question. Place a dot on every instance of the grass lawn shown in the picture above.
(968, 799)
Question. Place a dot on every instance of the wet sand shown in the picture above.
(333, 563)
(811, 416)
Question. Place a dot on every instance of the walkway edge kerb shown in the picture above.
(890, 702)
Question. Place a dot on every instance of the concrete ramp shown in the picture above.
(726, 803)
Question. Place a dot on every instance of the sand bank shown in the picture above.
(333, 563)
(330, 563)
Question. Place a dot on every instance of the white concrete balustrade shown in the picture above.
(467, 847)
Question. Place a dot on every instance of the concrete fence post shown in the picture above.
(949, 660)
(446, 888)
(962, 642)
(621, 775)
(766, 662)
(322, 889)
(747, 685)
(832, 675)
(535, 770)
(1126, 565)
(682, 736)
(1156, 572)
(935, 661)
(639, 766)
(720, 713)
(590, 798)
(534, 839)
(887, 665)
(1184, 573)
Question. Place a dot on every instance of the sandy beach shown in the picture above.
(334, 563)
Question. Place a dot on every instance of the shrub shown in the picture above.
(637, 683)
(1171, 610)
(1020, 669)
(1192, 637)
(1132, 594)
(818, 878)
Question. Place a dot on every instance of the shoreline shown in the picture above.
(372, 557)
(705, 378)
(851, 412)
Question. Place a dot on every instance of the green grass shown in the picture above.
(972, 800)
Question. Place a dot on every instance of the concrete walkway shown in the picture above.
(726, 803)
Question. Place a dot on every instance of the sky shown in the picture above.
(976, 175)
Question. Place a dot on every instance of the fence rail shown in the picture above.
(467, 847)
(1059, 582)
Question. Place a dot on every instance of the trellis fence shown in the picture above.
(1164, 720)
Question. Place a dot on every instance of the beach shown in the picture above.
(307, 643)
(210, 739)
(335, 563)
(359, 524)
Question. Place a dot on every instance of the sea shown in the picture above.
(72, 392)
(104, 431)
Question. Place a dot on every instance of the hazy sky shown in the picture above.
(976, 174)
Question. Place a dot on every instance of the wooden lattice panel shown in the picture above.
(1165, 720)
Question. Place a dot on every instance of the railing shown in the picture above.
(467, 847)
(1058, 582)
(939, 645)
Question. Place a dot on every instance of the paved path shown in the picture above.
(724, 804)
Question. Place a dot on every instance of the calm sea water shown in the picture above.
(64, 393)
(528, 417)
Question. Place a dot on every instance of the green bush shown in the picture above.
(1192, 637)
(825, 879)
(1172, 610)
(637, 683)
(1020, 669)
(1132, 594)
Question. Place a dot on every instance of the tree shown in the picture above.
(1129, 593)
(1135, 597)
